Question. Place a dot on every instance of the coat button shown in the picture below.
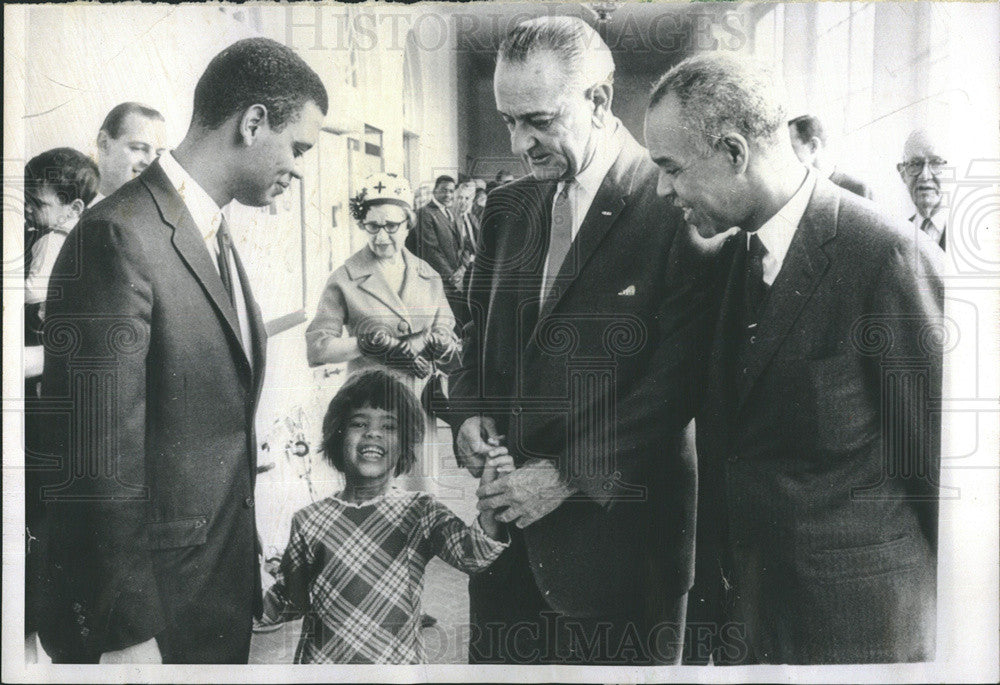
(84, 632)
(516, 409)
(248, 502)
(77, 607)
(403, 327)
(80, 619)
(745, 370)
(753, 339)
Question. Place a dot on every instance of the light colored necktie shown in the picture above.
(560, 237)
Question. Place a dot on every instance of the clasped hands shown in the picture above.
(414, 354)
(520, 497)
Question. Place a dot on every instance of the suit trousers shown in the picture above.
(512, 623)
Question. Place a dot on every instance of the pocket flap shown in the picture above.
(185, 532)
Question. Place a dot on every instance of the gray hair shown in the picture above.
(719, 94)
(583, 52)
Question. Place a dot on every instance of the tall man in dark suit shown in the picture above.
(154, 361)
(818, 456)
(923, 163)
(809, 142)
(580, 359)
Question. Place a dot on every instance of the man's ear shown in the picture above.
(102, 140)
(814, 145)
(737, 151)
(76, 207)
(252, 123)
(600, 97)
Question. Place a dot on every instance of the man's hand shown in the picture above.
(709, 245)
(458, 277)
(478, 440)
(147, 652)
(529, 493)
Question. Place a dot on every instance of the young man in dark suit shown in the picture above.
(154, 363)
(581, 358)
(818, 456)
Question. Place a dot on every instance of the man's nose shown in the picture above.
(521, 141)
(925, 171)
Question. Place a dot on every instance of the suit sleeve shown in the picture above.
(907, 308)
(650, 416)
(97, 348)
(433, 250)
(465, 384)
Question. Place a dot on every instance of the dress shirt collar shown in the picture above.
(206, 214)
(939, 217)
(778, 231)
(590, 178)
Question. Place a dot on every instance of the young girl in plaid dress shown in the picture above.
(355, 561)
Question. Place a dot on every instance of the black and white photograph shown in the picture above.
(623, 341)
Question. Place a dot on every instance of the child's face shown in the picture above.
(371, 444)
(43, 210)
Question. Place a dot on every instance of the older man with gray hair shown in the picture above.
(581, 358)
(818, 459)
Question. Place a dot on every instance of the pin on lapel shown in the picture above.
(605, 212)
(628, 292)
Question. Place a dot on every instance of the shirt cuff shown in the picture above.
(498, 545)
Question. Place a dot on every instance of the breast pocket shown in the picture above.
(846, 409)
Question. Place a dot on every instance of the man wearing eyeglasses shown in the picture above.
(921, 170)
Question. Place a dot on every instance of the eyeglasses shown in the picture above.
(390, 227)
(913, 167)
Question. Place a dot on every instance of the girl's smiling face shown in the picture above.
(371, 446)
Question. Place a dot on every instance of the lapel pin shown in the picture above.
(628, 292)
(605, 212)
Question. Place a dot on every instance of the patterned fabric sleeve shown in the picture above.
(288, 598)
(467, 548)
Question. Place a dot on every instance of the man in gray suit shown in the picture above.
(154, 363)
(818, 456)
(809, 142)
(923, 163)
(582, 357)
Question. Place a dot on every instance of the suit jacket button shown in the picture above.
(248, 502)
(753, 339)
(76, 607)
(80, 619)
(404, 328)
(84, 632)
(516, 409)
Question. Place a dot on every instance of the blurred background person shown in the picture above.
(809, 143)
(131, 137)
(921, 168)
(58, 185)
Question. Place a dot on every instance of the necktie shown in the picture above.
(755, 291)
(932, 230)
(225, 246)
(560, 237)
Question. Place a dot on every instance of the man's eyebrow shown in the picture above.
(530, 115)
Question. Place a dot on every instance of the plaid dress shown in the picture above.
(356, 573)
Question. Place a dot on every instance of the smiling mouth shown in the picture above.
(371, 453)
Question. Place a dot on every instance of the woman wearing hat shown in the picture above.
(384, 306)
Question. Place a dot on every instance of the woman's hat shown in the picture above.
(381, 188)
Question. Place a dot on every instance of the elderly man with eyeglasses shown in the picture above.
(921, 171)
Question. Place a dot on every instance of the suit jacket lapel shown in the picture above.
(190, 245)
(258, 334)
(800, 273)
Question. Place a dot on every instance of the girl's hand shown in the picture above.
(498, 463)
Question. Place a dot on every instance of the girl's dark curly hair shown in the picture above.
(378, 389)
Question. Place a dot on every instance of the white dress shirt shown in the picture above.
(588, 182)
(778, 231)
(208, 217)
(43, 257)
(939, 222)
